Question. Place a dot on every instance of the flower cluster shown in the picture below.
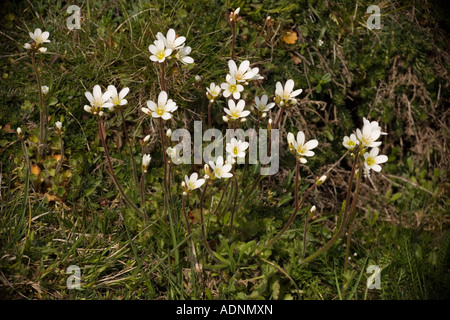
(363, 140)
(170, 46)
(108, 100)
(163, 109)
(39, 38)
(299, 147)
(285, 96)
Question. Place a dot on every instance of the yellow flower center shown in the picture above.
(115, 101)
(232, 88)
(160, 55)
(191, 185)
(301, 149)
(239, 76)
(160, 111)
(370, 161)
(235, 150)
(351, 143)
(235, 114)
(366, 141)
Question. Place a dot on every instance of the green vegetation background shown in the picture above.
(397, 75)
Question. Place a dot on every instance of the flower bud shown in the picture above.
(312, 211)
(321, 180)
(147, 138)
(58, 125)
(27, 46)
(169, 133)
(198, 78)
(145, 162)
(225, 119)
(44, 90)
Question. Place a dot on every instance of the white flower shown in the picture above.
(236, 111)
(303, 149)
(369, 134)
(117, 99)
(172, 153)
(261, 104)
(171, 41)
(320, 43)
(374, 125)
(234, 15)
(44, 89)
(145, 161)
(372, 160)
(159, 51)
(237, 148)
(256, 75)
(42, 49)
(58, 125)
(241, 74)
(213, 91)
(285, 96)
(39, 37)
(350, 142)
(193, 182)
(230, 160)
(19, 131)
(163, 109)
(98, 100)
(231, 88)
(220, 169)
(27, 46)
(182, 55)
(312, 210)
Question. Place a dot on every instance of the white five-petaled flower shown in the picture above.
(145, 162)
(163, 109)
(320, 42)
(256, 75)
(98, 100)
(285, 96)
(220, 170)
(350, 142)
(374, 125)
(117, 98)
(182, 55)
(236, 111)
(261, 104)
(171, 41)
(237, 148)
(372, 160)
(302, 148)
(159, 51)
(40, 37)
(193, 182)
(369, 134)
(44, 89)
(231, 87)
(213, 91)
(241, 74)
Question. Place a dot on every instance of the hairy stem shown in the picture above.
(130, 148)
(344, 217)
(111, 170)
(43, 117)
